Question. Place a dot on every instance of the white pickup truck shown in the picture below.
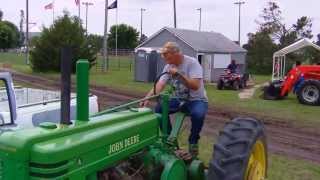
(26, 107)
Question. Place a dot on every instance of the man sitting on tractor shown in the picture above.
(232, 66)
(185, 74)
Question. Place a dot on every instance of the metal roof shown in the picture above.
(202, 41)
(302, 43)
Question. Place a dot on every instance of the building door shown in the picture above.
(206, 66)
(200, 57)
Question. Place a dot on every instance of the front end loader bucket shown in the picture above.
(273, 91)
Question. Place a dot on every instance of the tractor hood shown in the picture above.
(108, 137)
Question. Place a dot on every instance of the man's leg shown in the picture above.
(198, 110)
(173, 108)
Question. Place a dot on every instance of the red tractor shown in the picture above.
(303, 80)
(232, 80)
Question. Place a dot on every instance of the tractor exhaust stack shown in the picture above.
(66, 60)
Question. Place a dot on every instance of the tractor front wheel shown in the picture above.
(309, 92)
(240, 152)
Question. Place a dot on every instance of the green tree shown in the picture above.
(311, 54)
(127, 37)
(272, 35)
(15, 34)
(260, 50)
(9, 35)
(6, 36)
(95, 41)
(34, 40)
(318, 40)
(282, 34)
(65, 32)
(143, 38)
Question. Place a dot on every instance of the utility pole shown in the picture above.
(239, 3)
(21, 26)
(174, 14)
(1, 15)
(87, 4)
(27, 32)
(141, 23)
(53, 4)
(79, 11)
(117, 38)
(105, 38)
(199, 9)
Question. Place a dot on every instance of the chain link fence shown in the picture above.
(121, 59)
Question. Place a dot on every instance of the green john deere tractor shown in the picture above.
(126, 143)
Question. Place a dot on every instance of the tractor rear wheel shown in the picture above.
(309, 92)
(240, 152)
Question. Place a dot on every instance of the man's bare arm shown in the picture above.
(159, 87)
(191, 83)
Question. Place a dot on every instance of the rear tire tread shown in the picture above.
(233, 159)
(243, 129)
(238, 137)
(223, 150)
(228, 134)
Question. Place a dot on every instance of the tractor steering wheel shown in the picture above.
(171, 90)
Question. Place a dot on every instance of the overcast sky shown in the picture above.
(217, 15)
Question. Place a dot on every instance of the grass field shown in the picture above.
(280, 167)
(287, 109)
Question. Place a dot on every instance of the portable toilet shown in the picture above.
(147, 64)
(160, 64)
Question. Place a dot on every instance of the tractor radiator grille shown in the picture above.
(49, 170)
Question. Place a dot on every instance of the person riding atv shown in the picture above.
(232, 66)
(231, 79)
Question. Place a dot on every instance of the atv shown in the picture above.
(232, 80)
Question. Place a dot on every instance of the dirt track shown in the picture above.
(283, 138)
